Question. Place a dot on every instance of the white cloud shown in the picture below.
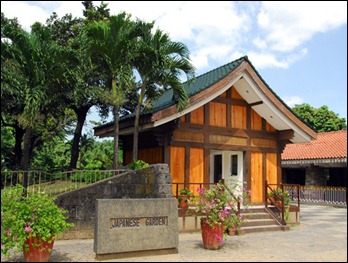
(26, 13)
(292, 101)
(287, 25)
(272, 34)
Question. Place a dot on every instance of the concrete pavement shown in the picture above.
(320, 237)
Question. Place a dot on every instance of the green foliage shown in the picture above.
(278, 193)
(138, 165)
(36, 215)
(187, 193)
(218, 207)
(321, 119)
(89, 177)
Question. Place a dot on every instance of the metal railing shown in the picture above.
(55, 183)
(323, 195)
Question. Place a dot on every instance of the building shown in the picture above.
(320, 162)
(234, 128)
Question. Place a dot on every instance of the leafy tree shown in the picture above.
(159, 62)
(33, 53)
(84, 90)
(113, 40)
(321, 119)
(32, 66)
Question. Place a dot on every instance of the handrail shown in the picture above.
(55, 183)
(233, 196)
(278, 200)
(275, 202)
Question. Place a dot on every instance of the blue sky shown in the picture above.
(299, 48)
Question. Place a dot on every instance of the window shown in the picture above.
(234, 164)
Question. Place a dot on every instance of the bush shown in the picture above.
(138, 165)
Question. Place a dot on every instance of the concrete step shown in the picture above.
(258, 215)
(263, 228)
(259, 222)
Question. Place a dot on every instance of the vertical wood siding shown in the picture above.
(271, 168)
(256, 172)
(177, 166)
(196, 167)
(239, 117)
(217, 114)
(197, 116)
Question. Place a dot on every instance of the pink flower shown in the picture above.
(27, 229)
(8, 232)
(218, 237)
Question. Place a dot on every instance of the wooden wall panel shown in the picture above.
(235, 94)
(270, 128)
(256, 177)
(239, 117)
(196, 168)
(256, 142)
(184, 136)
(197, 116)
(177, 166)
(271, 168)
(223, 95)
(221, 139)
(218, 114)
(256, 121)
(149, 155)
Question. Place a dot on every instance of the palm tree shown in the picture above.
(159, 62)
(35, 55)
(114, 40)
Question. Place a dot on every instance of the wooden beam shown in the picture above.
(285, 135)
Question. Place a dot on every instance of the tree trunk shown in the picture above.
(116, 136)
(136, 123)
(19, 133)
(26, 155)
(136, 133)
(75, 150)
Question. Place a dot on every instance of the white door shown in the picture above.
(227, 165)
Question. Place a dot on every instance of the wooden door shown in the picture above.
(256, 177)
(177, 167)
(196, 168)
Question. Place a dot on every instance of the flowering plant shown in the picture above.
(218, 207)
(35, 215)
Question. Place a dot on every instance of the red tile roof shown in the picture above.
(328, 145)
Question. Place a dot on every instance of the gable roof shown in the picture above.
(243, 76)
(328, 145)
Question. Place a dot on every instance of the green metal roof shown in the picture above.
(197, 85)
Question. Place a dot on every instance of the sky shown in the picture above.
(299, 48)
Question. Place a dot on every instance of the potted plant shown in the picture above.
(184, 198)
(30, 223)
(217, 209)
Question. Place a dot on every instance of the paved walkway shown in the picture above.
(321, 237)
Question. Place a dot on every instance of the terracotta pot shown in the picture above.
(231, 231)
(35, 250)
(212, 236)
(183, 202)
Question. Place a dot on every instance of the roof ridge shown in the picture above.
(215, 69)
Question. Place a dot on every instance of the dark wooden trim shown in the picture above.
(187, 164)
(285, 135)
(256, 103)
(206, 175)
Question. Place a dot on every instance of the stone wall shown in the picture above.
(151, 182)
